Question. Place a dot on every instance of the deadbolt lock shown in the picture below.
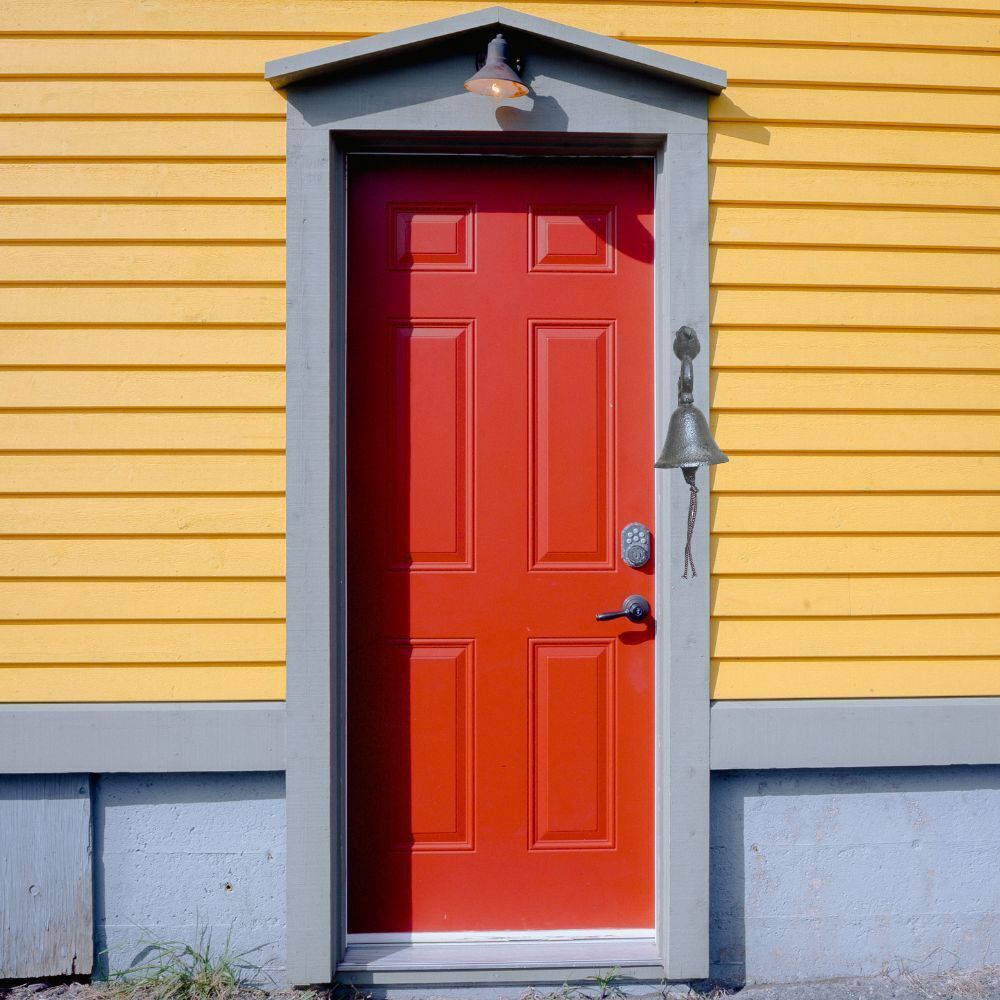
(635, 545)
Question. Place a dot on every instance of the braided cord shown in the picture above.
(692, 515)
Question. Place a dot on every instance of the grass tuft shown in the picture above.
(177, 970)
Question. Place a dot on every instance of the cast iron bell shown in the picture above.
(689, 441)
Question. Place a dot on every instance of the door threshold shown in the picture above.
(497, 950)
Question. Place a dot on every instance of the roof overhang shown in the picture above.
(356, 55)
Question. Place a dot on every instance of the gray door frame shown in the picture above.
(585, 105)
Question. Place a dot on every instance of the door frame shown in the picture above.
(666, 119)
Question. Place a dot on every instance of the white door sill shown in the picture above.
(416, 952)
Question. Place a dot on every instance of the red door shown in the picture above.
(500, 740)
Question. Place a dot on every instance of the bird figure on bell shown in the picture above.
(689, 441)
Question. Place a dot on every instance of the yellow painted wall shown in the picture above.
(855, 184)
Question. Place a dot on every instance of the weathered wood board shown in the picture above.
(46, 897)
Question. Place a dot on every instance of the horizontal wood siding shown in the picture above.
(855, 241)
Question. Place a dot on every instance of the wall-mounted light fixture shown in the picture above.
(689, 441)
(496, 77)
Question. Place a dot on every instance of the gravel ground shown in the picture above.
(979, 984)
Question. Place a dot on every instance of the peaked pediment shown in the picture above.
(367, 53)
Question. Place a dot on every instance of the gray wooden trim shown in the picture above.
(857, 732)
(682, 605)
(579, 106)
(315, 558)
(156, 737)
(355, 54)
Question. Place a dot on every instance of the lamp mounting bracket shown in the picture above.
(516, 63)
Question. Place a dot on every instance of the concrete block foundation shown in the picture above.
(822, 874)
(176, 855)
(815, 874)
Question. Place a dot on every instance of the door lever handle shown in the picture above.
(634, 608)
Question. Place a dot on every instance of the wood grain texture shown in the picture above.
(149, 179)
(745, 430)
(662, 20)
(861, 678)
(750, 183)
(99, 474)
(148, 515)
(139, 346)
(187, 263)
(142, 431)
(196, 304)
(843, 595)
(816, 555)
(862, 227)
(733, 513)
(164, 599)
(855, 345)
(60, 388)
(816, 267)
(144, 642)
(141, 558)
(855, 390)
(46, 897)
(143, 682)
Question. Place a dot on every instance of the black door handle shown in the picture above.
(634, 608)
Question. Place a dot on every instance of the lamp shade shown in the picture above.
(497, 79)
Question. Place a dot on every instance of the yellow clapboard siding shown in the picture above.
(734, 596)
(771, 390)
(246, 222)
(735, 182)
(820, 554)
(843, 65)
(953, 349)
(822, 119)
(144, 642)
(89, 599)
(854, 473)
(669, 20)
(230, 682)
(67, 389)
(224, 304)
(149, 179)
(830, 227)
(140, 516)
(732, 513)
(100, 558)
(233, 98)
(853, 637)
(144, 139)
(893, 678)
(138, 346)
(191, 263)
(245, 57)
(150, 56)
(770, 143)
(812, 104)
(886, 268)
(853, 307)
(856, 432)
(132, 473)
(69, 430)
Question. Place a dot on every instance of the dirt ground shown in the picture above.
(979, 984)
